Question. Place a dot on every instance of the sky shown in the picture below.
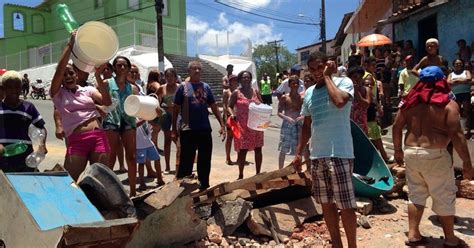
(208, 19)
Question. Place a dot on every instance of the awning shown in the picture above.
(367, 15)
(411, 10)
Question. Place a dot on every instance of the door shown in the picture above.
(427, 28)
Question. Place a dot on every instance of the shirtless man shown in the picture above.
(432, 58)
(429, 170)
(233, 84)
(225, 80)
(289, 109)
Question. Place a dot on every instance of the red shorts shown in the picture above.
(85, 143)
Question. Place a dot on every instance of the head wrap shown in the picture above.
(431, 89)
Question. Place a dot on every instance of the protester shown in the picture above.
(308, 81)
(225, 80)
(192, 100)
(152, 87)
(15, 117)
(464, 53)
(233, 85)
(25, 86)
(250, 140)
(375, 108)
(429, 171)
(432, 58)
(166, 95)
(86, 141)
(265, 88)
(117, 123)
(284, 88)
(289, 109)
(146, 152)
(362, 98)
(461, 81)
(355, 57)
(326, 108)
(407, 78)
(408, 49)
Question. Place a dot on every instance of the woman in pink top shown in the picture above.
(79, 115)
(239, 109)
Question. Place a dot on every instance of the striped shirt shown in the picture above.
(14, 124)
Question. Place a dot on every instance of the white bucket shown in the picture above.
(259, 116)
(95, 44)
(143, 107)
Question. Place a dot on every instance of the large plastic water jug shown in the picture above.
(96, 43)
(259, 116)
(143, 107)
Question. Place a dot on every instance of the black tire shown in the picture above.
(35, 96)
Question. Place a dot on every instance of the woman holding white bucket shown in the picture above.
(117, 123)
(239, 110)
(79, 115)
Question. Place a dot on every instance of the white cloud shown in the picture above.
(237, 32)
(194, 24)
(248, 4)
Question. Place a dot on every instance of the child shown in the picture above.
(233, 84)
(15, 118)
(146, 151)
(432, 58)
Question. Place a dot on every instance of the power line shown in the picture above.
(101, 19)
(264, 16)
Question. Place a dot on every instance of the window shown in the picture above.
(37, 23)
(18, 21)
(98, 4)
(304, 57)
(134, 4)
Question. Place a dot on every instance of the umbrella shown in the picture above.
(374, 40)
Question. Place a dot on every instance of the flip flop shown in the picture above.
(460, 244)
(422, 241)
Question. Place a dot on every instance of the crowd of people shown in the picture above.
(315, 114)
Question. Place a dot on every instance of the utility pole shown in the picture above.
(159, 29)
(323, 26)
(275, 44)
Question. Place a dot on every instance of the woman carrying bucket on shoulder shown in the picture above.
(117, 123)
(166, 95)
(78, 112)
(239, 110)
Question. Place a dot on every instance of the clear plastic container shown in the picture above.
(14, 149)
(37, 135)
(34, 159)
(66, 17)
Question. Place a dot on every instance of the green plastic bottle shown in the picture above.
(66, 17)
(14, 149)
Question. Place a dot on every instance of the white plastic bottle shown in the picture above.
(34, 159)
(37, 136)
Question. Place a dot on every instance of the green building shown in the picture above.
(34, 36)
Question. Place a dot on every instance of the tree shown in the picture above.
(264, 58)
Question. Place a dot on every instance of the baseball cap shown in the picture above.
(408, 57)
(431, 74)
(296, 67)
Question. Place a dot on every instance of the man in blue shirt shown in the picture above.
(192, 100)
(326, 110)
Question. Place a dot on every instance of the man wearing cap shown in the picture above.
(429, 170)
(225, 80)
(284, 88)
(407, 79)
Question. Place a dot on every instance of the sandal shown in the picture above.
(229, 162)
(142, 188)
(422, 241)
(460, 244)
(160, 183)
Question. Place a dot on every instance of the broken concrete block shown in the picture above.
(466, 189)
(364, 205)
(231, 214)
(170, 226)
(214, 234)
(284, 217)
